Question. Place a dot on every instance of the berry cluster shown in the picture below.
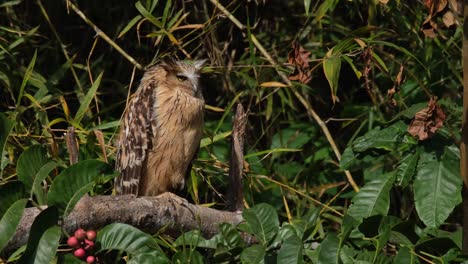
(83, 242)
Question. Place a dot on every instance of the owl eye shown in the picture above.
(181, 78)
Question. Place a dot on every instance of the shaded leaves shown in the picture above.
(427, 121)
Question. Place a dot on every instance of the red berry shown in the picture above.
(91, 235)
(80, 234)
(90, 259)
(88, 244)
(73, 242)
(79, 253)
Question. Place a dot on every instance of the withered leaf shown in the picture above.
(300, 58)
(427, 121)
(396, 86)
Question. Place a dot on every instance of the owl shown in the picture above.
(161, 130)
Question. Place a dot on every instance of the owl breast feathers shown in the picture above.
(160, 130)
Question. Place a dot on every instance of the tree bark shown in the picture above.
(464, 140)
(166, 213)
(235, 196)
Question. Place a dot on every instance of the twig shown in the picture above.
(104, 36)
(64, 50)
(307, 106)
(235, 196)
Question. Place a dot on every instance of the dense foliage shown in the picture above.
(367, 69)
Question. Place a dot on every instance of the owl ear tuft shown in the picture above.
(199, 64)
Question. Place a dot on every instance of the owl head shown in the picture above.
(184, 75)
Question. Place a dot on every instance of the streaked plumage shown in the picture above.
(160, 130)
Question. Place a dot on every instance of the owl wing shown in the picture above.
(135, 139)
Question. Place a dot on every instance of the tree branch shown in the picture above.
(166, 213)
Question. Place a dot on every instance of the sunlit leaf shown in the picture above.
(9, 220)
(332, 68)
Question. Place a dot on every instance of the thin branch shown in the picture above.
(104, 36)
(304, 102)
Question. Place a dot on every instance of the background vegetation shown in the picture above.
(57, 70)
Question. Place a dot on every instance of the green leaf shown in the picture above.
(329, 250)
(127, 238)
(194, 239)
(389, 139)
(404, 255)
(437, 187)
(40, 176)
(29, 163)
(332, 68)
(26, 77)
(253, 255)
(263, 221)
(148, 15)
(291, 250)
(5, 129)
(74, 182)
(43, 238)
(10, 219)
(406, 169)
(87, 100)
(307, 7)
(129, 26)
(188, 256)
(372, 199)
(11, 192)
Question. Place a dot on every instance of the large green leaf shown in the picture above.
(29, 163)
(329, 250)
(5, 128)
(373, 199)
(44, 238)
(263, 222)
(406, 169)
(10, 220)
(127, 238)
(10, 193)
(74, 182)
(332, 68)
(390, 138)
(32, 168)
(253, 255)
(291, 248)
(437, 187)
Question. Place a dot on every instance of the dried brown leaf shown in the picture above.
(300, 59)
(427, 121)
(449, 19)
